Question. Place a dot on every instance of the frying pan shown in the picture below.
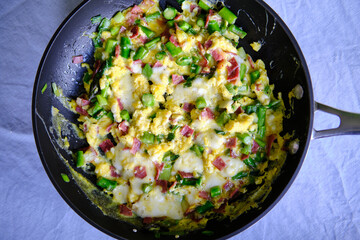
(286, 68)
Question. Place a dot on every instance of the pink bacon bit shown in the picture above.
(193, 7)
(233, 154)
(207, 114)
(106, 145)
(270, 141)
(174, 41)
(233, 71)
(148, 220)
(243, 157)
(81, 111)
(228, 185)
(219, 163)
(122, 29)
(136, 10)
(163, 185)
(177, 79)
(204, 195)
(97, 66)
(77, 59)
(239, 110)
(159, 167)
(188, 107)
(251, 62)
(201, 48)
(208, 44)
(255, 147)
(121, 106)
(81, 102)
(108, 129)
(124, 210)
(117, 50)
(234, 193)
(203, 62)
(186, 131)
(157, 64)
(134, 31)
(135, 146)
(186, 174)
(140, 172)
(218, 55)
(113, 172)
(231, 143)
(124, 127)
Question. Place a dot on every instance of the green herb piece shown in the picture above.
(273, 104)
(239, 175)
(219, 132)
(160, 55)
(101, 100)
(197, 149)
(244, 137)
(184, 61)
(96, 19)
(125, 45)
(148, 138)
(184, 25)
(147, 71)
(200, 103)
(215, 191)
(213, 26)
(140, 53)
(260, 142)
(188, 82)
(119, 17)
(242, 71)
(146, 187)
(110, 45)
(166, 172)
(254, 76)
(246, 149)
(228, 15)
(148, 100)
(44, 88)
(104, 25)
(169, 13)
(222, 119)
(238, 31)
(204, 6)
(204, 208)
(106, 183)
(153, 16)
(114, 30)
(200, 22)
(124, 114)
(195, 68)
(80, 159)
(250, 163)
(65, 177)
(152, 43)
(173, 50)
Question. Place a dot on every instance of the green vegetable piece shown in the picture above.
(228, 15)
(174, 50)
(215, 191)
(96, 19)
(241, 52)
(197, 149)
(242, 71)
(153, 16)
(159, 138)
(204, 6)
(231, 88)
(171, 23)
(65, 177)
(147, 71)
(260, 142)
(262, 131)
(244, 137)
(246, 149)
(95, 109)
(238, 31)
(254, 76)
(114, 30)
(169, 13)
(170, 157)
(195, 68)
(86, 77)
(191, 181)
(148, 100)
(213, 26)
(200, 22)
(204, 208)
(149, 33)
(125, 45)
(184, 61)
(188, 82)
(170, 137)
(110, 115)
(146, 187)
(152, 43)
(44, 88)
(119, 17)
(148, 138)
(261, 114)
(166, 172)
(207, 233)
(192, 31)
(124, 114)
(222, 119)
(80, 159)
(239, 175)
(140, 53)
(101, 100)
(200, 103)
(104, 25)
(184, 25)
(106, 183)
(250, 163)
(55, 89)
(219, 132)
(273, 104)
(110, 45)
(160, 55)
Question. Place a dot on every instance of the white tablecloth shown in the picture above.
(324, 200)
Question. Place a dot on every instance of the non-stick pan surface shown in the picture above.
(286, 68)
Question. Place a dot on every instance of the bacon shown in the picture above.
(134, 31)
(85, 127)
(203, 62)
(207, 20)
(136, 10)
(159, 167)
(177, 79)
(204, 195)
(77, 59)
(219, 163)
(218, 55)
(163, 185)
(208, 44)
(143, 39)
(233, 154)
(233, 193)
(124, 210)
(251, 61)
(157, 64)
(122, 29)
(147, 220)
(201, 49)
(186, 174)
(193, 7)
(96, 68)
(188, 107)
(174, 40)
(178, 16)
(123, 127)
(207, 113)
(113, 172)
(121, 106)
(106, 145)
(257, 86)
(117, 50)
(82, 102)
(136, 146)
(221, 209)
(228, 185)
(173, 185)
(233, 70)
(186, 131)
(108, 129)
(255, 147)
(243, 157)
(239, 110)
(231, 143)
(140, 172)
(270, 140)
(81, 111)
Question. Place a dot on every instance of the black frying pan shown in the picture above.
(286, 68)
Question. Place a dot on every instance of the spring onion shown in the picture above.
(169, 13)
(184, 25)
(150, 44)
(110, 45)
(124, 114)
(149, 33)
(114, 30)
(204, 208)
(261, 114)
(215, 191)
(200, 103)
(200, 22)
(195, 69)
(140, 53)
(147, 71)
(44, 88)
(244, 137)
(148, 100)
(160, 55)
(173, 50)
(204, 6)
(148, 138)
(65, 177)
(239, 175)
(119, 17)
(254, 76)
(96, 19)
(184, 61)
(213, 26)
(80, 159)
(241, 53)
(106, 183)
(146, 187)
(228, 15)
(153, 16)
(260, 142)
(166, 172)
(250, 163)
(125, 45)
(222, 119)
(235, 29)
(197, 149)
(242, 71)
(246, 149)
(101, 100)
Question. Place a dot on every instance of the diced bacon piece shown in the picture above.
(106, 145)
(117, 50)
(233, 70)
(231, 143)
(159, 167)
(96, 67)
(207, 114)
(208, 44)
(174, 40)
(221, 209)
(255, 147)
(251, 62)
(203, 62)
(204, 195)
(239, 110)
(201, 49)
(124, 210)
(186, 131)
(113, 172)
(207, 20)
(122, 29)
(121, 106)
(163, 185)
(233, 154)
(108, 129)
(136, 10)
(228, 185)
(85, 127)
(134, 31)
(177, 79)
(188, 107)
(178, 16)
(173, 185)
(77, 59)
(93, 151)
(124, 127)
(193, 7)
(81, 111)
(218, 55)
(135, 146)
(147, 220)
(130, 18)
(186, 174)
(243, 157)
(234, 192)
(270, 140)
(140, 172)
(157, 64)
(166, 33)
(257, 86)
(82, 102)
(219, 163)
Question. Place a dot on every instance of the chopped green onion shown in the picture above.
(244, 137)
(195, 68)
(170, 157)
(104, 25)
(106, 183)
(80, 159)
(95, 109)
(152, 43)
(228, 15)
(192, 31)
(231, 88)
(65, 177)
(148, 138)
(160, 55)
(101, 100)
(110, 115)
(166, 172)
(159, 138)
(170, 136)
(260, 142)
(44, 88)
(147, 71)
(261, 114)
(207, 233)
(125, 45)
(222, 119)
(250, 163)
(171, 23)
(200, 103)
(200, 22)
(86, 77)
(204, 208)
(219, 132)
(237, 31)
(184, 25)
(184, 61)
(110, 45)
(197, 149)
(169, 13)
(254, 76)
(153, 16)
(148, 100)
(241, 53)
(273, 104)
(213, 26)
(140, 53)
(124, 114)
(55, 89)
(114, 30)
(191, 181)
(146, 187)
(215, 191)
(246, 149)
(119, 17)
(242, 71)
(174, 50)
(149, 33)
(204, 6)
(96, 19)
(239, 175)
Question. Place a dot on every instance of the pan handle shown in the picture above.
(349, 122)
